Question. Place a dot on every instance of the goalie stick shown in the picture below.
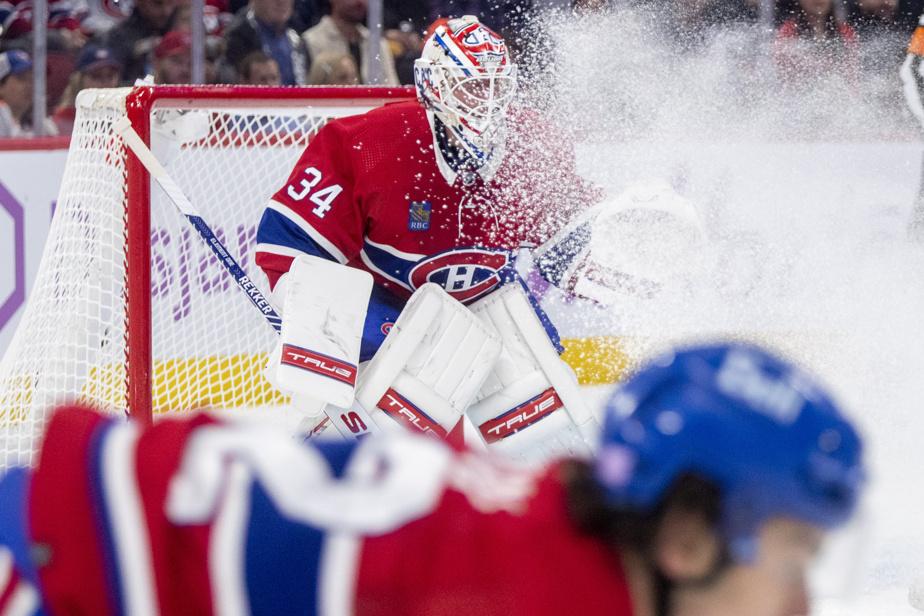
(124, 129)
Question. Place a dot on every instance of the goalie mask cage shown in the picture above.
(130, 311)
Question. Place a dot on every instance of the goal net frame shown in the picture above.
(140, 105)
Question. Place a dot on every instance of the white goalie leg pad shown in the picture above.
(434, 361)
(324, 311)
(530, 407)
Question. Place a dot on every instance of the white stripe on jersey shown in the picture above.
(278, 249)
(226, 545)
(305, 226)
(23, 602)
(337, 574)
(298, 480)
(23, 599)
(6, 568)
(407, 256)
(126, 515)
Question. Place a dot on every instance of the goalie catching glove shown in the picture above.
(628, 247)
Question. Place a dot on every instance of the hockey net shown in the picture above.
(130, 311)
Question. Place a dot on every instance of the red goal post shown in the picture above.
(129, 311)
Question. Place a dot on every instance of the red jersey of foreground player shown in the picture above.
(706, 498)
(468, 537)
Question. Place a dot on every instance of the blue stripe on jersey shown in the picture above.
(282, 560)
(14, 524)
(384, 308)
(276, 229)
(283, 556)
(116, 594)
(394, 266)
(337, 454)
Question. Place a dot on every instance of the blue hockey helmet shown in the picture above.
(771, 440)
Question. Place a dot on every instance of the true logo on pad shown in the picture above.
(319, 363)
(407, 414)
(521, 417)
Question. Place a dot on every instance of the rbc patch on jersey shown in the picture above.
(418, 218)
(466, 274)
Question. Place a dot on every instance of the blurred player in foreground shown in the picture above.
(719, 472)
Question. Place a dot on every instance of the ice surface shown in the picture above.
(805, 203)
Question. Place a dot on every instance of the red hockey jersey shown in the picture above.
(199, 517)
(376, 191)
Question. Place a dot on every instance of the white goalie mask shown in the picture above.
(466, 79)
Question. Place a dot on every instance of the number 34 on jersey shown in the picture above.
(323, 199)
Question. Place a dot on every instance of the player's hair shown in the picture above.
(623, 527)
(631, 528)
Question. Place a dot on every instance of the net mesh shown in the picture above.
(209, 345)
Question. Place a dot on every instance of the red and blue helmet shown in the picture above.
(765, 433)
(466, 79)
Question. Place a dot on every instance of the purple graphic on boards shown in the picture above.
(9, 305)
(182, 269)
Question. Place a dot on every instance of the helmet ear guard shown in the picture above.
(771, 440)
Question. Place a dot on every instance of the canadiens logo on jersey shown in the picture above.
(418, 218)
(466, 274)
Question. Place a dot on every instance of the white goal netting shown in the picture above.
(208, 343)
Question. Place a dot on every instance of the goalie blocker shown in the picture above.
(324, 308)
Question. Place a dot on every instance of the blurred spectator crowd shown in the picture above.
(104, 43)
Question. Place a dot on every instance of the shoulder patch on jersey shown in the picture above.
(465, 273)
